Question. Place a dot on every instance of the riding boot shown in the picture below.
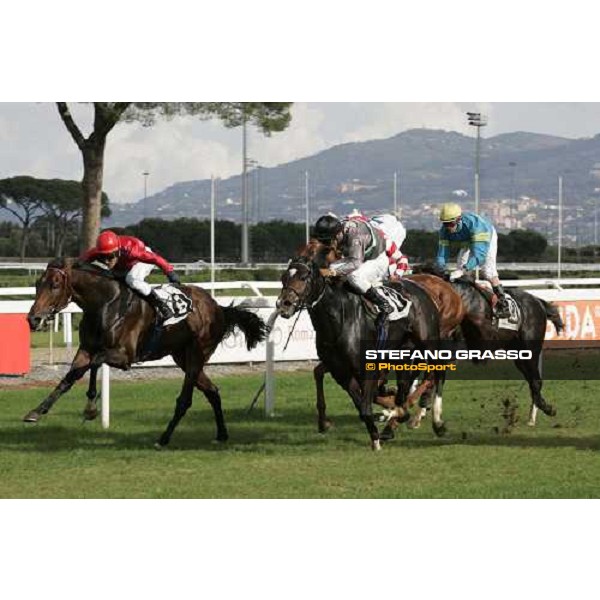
(379, 300)
(502, 307)
(162, 308)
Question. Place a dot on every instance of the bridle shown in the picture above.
(54, 309)
(305, 265)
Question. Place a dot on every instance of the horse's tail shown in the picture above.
(553, 315)
(251, 325)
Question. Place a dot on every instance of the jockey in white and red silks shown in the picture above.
(369, 256)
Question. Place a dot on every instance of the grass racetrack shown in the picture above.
(285, 457)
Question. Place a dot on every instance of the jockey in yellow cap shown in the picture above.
(478, 242)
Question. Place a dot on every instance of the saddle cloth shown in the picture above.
(516, 318)
(179, 302)
(400, 304)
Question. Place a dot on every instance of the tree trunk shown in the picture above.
(60, 233)
(24, 240)
(93, 167)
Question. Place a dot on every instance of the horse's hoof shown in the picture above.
(90, 415)
(387, 434)
(414, 423)
(32, 417)
(325, 426)
(404, 418)
(158, 446)
(220, 440)
(376, 445)
(530, 423)
(440, 430)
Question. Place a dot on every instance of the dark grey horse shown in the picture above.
(341, 321)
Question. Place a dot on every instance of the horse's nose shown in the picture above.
(34, 321)
(285, 303)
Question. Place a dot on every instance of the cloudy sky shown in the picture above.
(33, 140)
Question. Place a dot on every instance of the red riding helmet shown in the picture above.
(107, 242)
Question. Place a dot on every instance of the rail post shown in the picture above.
(105, 396)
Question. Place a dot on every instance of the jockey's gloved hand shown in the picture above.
(173, 278)
(457, 274)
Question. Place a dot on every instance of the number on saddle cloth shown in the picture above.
(400, 303)
(179, 302)
(514, 321)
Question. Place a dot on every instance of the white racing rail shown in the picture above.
(195, 267)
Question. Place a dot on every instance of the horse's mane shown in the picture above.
(316, 251)
(101, 271)
(58, 263)
(428, 268)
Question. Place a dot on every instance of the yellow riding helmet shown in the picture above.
(450, 212)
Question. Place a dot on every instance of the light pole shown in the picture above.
(594, 236)
(145, 174)
(477, 120)
(245, 246)
(307, 205)
(396, 194)
(213, 209)
(257, 193)
(513, 199)
(596, 191)
(560, 224)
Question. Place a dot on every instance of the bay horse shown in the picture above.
(118, 328)
(477, 329)
(341, 321)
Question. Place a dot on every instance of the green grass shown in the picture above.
(285, 457)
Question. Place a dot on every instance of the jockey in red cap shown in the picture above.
(130, 254)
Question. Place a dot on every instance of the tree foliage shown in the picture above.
(56, 202)
(267, 116)
(420, 245)
(521, 245)
(188, 240)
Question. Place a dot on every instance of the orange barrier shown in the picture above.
(581, 319)
(14, 345)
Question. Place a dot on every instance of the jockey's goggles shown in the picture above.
(107, 257)
(451, 224)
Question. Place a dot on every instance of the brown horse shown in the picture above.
(119, 328)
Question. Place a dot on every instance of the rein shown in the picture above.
(303, 303)
(53, 310)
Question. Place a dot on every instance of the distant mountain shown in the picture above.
(431, 165)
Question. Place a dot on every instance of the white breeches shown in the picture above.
(135, 278)
(488, 270)
(370, 273)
